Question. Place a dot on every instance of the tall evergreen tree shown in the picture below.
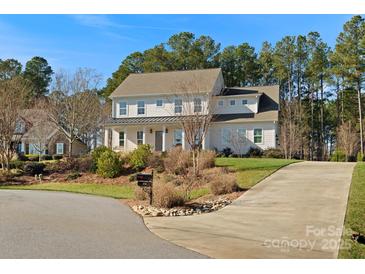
(9, 68)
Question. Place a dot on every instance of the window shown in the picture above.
(220, 103)
(257, 135)
(122, 108)
(121, 139)
(197, 105)
(178, 105)
(59, 148)
(159, 103)
(226, 136)
(232, 102)
(140, 108)
(139, 137)
(244, 102)
(178, 137)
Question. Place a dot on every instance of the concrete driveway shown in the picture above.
(298, 212)
(41, 224)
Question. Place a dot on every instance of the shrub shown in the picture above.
(85, 164)
(140, 194)
(109, 165)
(156, 162)
(206, 159)
(46, 157)
(57, 157)
(273, 153)
(166, 195)
(177, 161)
(17, 172)
(359, 157)
(223, 184)
(73, 176)
(96, 153)
(32, 157)
(254, 152)
(5, 175)
(22, 157)
(34, 168)
(132, 177)
(17, 164)
(338, 156)
(139, 156)
(227, 151)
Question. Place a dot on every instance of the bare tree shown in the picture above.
(195, 114)
(75, 108)
(13, 94)
(237, 140)
(347, 139)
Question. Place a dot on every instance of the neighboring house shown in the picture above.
(40, 136)
(146, 109)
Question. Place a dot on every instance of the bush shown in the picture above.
(17, 164)
(206, 159)
(254, 152)
(223, 184)
(32, 157)
(359, 157)
(338, 156)
(109, 165)
(85, 164)
(57, 157)
(177, 161)
(273, 153)
(166, 195)
(96, 153)
(17, 172)
(155, 161)
(227, 151)
(139, 157)
(140, 194)
(34, 168)
(22, 157)
(46, 157)
(73, 176)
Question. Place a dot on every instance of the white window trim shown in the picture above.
(126, 108)
(262, 136)
(143, 138)
(144, 107)
(180, 106)
(123, 139)
(232, 100)
(57, 148)
(174, 142)
(163, 103)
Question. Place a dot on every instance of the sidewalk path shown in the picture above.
(297, 212)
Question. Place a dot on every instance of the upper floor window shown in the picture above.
(140, 108)
(121, 139)
(122, 108)
(197, 104)
(257, 135)
(140, 137)
(178, 106)
(159, 103)
(232, 102)
(244, 102)
(220, 103)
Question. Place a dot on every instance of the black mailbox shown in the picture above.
(144, 179)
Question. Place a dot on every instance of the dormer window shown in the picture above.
(244, 102)
(140, 108)
(122, 108)
(197, 105)
(232, 102)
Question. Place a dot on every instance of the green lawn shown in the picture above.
(250, 171)
(355, 215)
(114, 191)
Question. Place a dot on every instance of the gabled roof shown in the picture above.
(170, 82)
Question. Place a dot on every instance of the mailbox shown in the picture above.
(144, 179)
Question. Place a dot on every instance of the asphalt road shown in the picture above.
(42, 224)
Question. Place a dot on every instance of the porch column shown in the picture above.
(203, 142)
(164, 138)
(144, 135)
(125, 139)
(106, 137)
(183, 139)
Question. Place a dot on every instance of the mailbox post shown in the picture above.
(145, 181)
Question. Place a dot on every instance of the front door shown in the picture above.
(158, 140)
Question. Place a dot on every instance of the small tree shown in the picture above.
(13, 94)
(347, 139)
(237, 140)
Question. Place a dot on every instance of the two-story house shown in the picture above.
(146, 109)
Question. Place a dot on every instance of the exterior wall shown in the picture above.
(250, 107)
(216, 140)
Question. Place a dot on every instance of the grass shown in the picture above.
(355, 216)
(250, 171)
(113, 191)
(199, 192)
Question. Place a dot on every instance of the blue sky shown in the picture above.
(102, 41)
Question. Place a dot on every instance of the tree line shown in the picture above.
(321, 105)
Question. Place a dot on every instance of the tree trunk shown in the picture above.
(322, 144)
(360, 118)
(70, 148)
